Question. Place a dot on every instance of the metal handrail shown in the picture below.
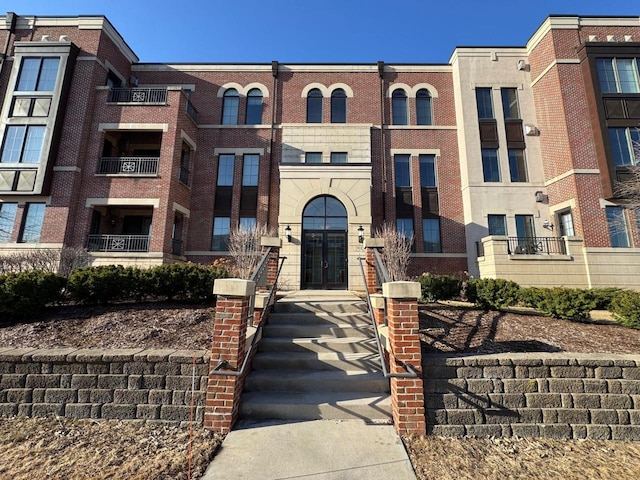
(381, 269)
(220, 369)
(411, 373)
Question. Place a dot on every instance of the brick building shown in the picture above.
(502, 162)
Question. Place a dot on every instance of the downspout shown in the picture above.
(11, 20)
(383, 151)
(274, 97)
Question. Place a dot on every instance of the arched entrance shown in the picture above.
(324, 244)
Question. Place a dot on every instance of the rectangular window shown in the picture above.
(221, 228)
(38, 74)
(510, 103)
(427, 170)
(32, 226)
(623, 141)
(338, 157)
(404, 226)
(627, 75)
(617, 222)
(23, 144)
(484, 103)
(618, 75)
(524, 226)
(250, 170)
(431, 235)
(490, 165)
(402, 170)
(497, 224)
(7, 219)
(517, 165)
(225, 170)
(566, 224)
(247, 223)
(313, 157)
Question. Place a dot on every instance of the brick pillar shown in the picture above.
(407, 394)
(370, 244)
(233, 309)
(272, 268)
(377, 305)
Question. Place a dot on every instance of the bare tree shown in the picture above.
(245, 249)
(627, 190)
(397, 251)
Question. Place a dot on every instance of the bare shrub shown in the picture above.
(244, 248)
(72, 258)
(397, 251)
(62, 261)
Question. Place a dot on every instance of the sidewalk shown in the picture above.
(314, 450)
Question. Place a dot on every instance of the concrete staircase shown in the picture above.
(317, 360)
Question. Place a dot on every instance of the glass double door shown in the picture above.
(324, 259)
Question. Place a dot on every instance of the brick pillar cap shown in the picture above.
(233, 287)
(377, 301)
(373, 243)
(271, 242)
(402, 290)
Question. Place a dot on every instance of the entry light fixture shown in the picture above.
(287, 232)
(548, 225)
(360, 234)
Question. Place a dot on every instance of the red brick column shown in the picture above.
(272, 268)
(407, 394)
(370, 244)
(229, 337)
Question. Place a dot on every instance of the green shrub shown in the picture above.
(566, 303)
(604, 296)
(106, 283)
(182, 281)
(493, 293)
(439, 287)
(531, 296)
(625, 307)
(28, 293)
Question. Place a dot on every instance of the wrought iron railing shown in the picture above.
(145, 96)
(129, 165)
(118, 243)
(260, 275)
(536, 246)
(183, 175)
(191, 111)
(381, 277)
(176, 247)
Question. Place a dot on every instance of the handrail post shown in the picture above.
(407, 394)
(370, 244)
(233, 308)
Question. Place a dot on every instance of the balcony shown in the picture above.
(129, 166)
(138, 96)
(118, 243)
(191, 111)
(183, 175)
(536, 246)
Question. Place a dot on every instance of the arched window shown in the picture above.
(399, 107)
(423, 107)
(230, 102)
(338, 106)
(314, 106)
(254, 107)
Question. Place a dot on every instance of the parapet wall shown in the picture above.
(534, 395)
(127, 384)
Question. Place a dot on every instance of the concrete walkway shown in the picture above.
(314, 450)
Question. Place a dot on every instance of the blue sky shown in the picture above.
(346, 31)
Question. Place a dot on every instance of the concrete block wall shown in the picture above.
(534, 395)
(127, 384)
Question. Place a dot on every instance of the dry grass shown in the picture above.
(66, 449)
(543, 459)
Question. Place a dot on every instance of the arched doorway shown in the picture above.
(324, 244)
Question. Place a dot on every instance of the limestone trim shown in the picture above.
(30, 246)
(438, 255)
(415, 151)
(133, 126)
(399, 86)
(562, 206)
(264, 90)
(418, 127)
(560, 61)
(424, 86)
(238, 151)
(325, 190)
(188, 140)
(243, 91)
(222, 127)
(183, 210)
(62, 168)
(324, 90)
(154, 202)
(228, 86)
(347, 89)
(577, 171)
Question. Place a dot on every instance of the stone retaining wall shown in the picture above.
(534, 395)
(128, 384)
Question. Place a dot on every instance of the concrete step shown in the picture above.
(316, 381)
(369, 362)
(317, 331)
(350, 305)
(317, 406)
(307, 318)
(326, 345)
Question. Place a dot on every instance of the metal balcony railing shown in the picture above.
(143, 96)
(176, 247)
(536, 246)
(129, 165)
(183, 175)
(191, 111)
(118, 243)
